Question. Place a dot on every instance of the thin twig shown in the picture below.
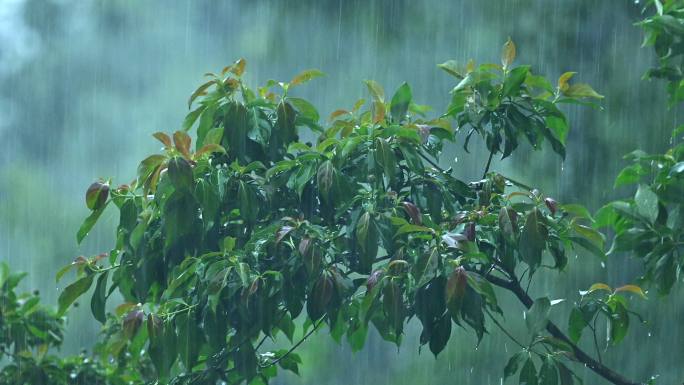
(596, 345)
(504, 329)
(514, 287)
(489, 162)
(295, 346)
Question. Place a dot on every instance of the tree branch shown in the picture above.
(514, 287)
(489, 163)
(295, 346)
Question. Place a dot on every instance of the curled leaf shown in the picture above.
(508, 53)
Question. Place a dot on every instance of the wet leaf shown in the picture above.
(537, 316)
(647, 203)
(72, 292)
(400, 102)
(180, 173)
(99, 298)
(305, 76)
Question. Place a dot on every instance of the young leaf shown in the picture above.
(96, 195)
(581, 90)
(182, 143)
(508, 53)
(305, 76)
(375, 90)
(632, 289)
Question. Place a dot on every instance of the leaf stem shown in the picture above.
(514, 287)
(295, 346)
(489, 163)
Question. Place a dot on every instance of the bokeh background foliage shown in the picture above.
(82, 82)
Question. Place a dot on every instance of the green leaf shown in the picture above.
(367, 239)
(618, 323)
(537, 316)
(412, 158)
(180, 173)
(577, 210)
(393, 305)
(97, 302)
(247, 202)
(89, 222)
(201, 90)
(290, 361)
(205, 124)
(455, 291)
(452, 68)
(305, 109)
(190, 338)
(400, 102)
(589, 246)
(646, 203)
(191, 117)
(548, 375)
(565, 374)
(386, 158)
(326, 178)
(439, 335)
(514, 80)
(533, 239)
(590, 234)
(320, 297)
(528, 373)
(72, 292)
(506, 225)
(576, 324)
(514, 364)
(162, 346)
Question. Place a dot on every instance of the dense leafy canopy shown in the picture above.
(225, 243)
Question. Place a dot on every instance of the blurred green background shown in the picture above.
(84, 84)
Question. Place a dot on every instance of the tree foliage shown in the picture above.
(249, 233)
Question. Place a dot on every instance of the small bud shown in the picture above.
(96, 195)
(373, 279)
(132, 322)
(552, 205)
(413, 212)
